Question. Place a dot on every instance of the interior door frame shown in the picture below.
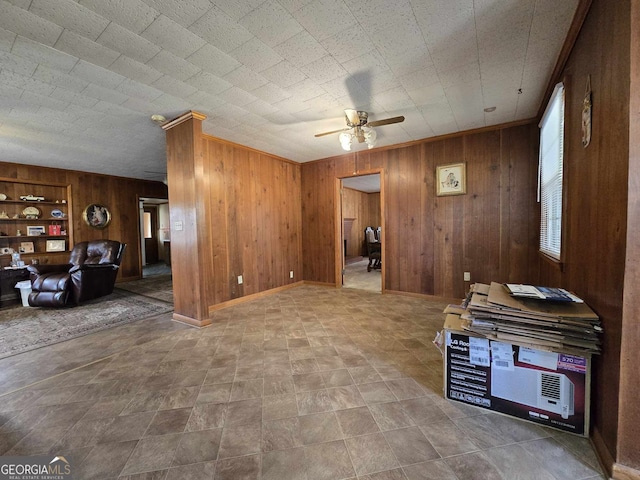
(140, 199)
(339, 250)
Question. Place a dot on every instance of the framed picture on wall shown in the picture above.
(55, 246)
(451, 179)
(96, 215)
(26, 247)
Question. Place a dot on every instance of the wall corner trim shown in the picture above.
(192, 322)
(183, 118)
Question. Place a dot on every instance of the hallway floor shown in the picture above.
(356, 276)
(311, 383)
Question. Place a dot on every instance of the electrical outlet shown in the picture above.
(291, 274)
(467, 276)
(239, 279)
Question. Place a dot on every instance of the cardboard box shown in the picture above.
(547, 388)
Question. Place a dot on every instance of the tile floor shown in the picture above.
(312, 383)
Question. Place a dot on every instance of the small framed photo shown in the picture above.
(56, 246)
(96, 215)
(451, 179)
(26, 247)
(35, 231)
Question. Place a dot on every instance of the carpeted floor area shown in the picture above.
(26, 328)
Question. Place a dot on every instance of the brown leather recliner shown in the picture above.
(90, 273)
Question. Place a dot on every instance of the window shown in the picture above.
(147, 225)
(550, 174)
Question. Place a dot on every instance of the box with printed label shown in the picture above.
(547, 388)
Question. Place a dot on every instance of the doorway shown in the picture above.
(155, 243)
(361, 207)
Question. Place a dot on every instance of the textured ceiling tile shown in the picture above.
(324, 18)
(170, 64)
(36, 52)
(85, 49)
(394, 99)
(137, 71)
(256, 55)
(171, 36)
(376, 15)
(214, 60)
(428, 95)
(169, 102)
(73, 97)
(174, 87)
(245, 78)
(209, 83)
(220, 30)
(371, 62)
(140, 106)
(28, 25)
(6, 39)
(134, 15)
(304, 90)
(294, 5)
(270, 93)
(301, 49)
(105, 94)
(14, 63)
(57, 78)
(94, 74)
(204, 100)
(291, 105)
(442, 21)
(121, 40)
(260, 107)
(237, 96)
(460, 75)
(72, 16)
(323, 70)
(348, 44)
(398, 39)
(235, 9)
(184, 12)
(16, 80)
(410, 61)
(44, 101)
(271, 23)
(419, 79)
(137, 90)
(284, 74)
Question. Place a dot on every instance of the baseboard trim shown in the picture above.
(253, 296)
(622, 472)
(319, 284)
(193, 322)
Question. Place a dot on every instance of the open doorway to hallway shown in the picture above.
(155, 243)
(361, 208)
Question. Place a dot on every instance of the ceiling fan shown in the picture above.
(361, 128)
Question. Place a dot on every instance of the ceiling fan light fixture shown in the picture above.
(346, 139)
(370, 136)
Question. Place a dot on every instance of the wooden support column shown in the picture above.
(191, 255)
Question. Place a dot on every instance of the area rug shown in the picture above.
(159, 287)
(26, 328)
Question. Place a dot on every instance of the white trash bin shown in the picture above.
(25, 290)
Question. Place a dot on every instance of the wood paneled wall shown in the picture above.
(430, 241)
(118, 193)
(595, 215)
(364, 208)
(256, 220)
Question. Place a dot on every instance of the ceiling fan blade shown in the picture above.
(385, 121)
(329, 133)
(352, 115)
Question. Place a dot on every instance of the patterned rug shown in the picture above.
(27, 328)
(159, 287)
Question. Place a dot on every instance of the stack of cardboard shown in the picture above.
(491, 311)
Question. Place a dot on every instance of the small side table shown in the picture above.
(8, 279)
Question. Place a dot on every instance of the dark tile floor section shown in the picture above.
(309, 384)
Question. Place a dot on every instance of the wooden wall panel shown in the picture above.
(118, 193)
(255, 220)
(595, 215)
(430, 241)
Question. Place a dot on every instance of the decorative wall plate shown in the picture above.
(96, 215)
(3, 196)
(57, 213)
(31, 212)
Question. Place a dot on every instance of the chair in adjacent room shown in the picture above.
(90, 273)
(374, 249)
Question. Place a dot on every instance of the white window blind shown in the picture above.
(550, 174)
